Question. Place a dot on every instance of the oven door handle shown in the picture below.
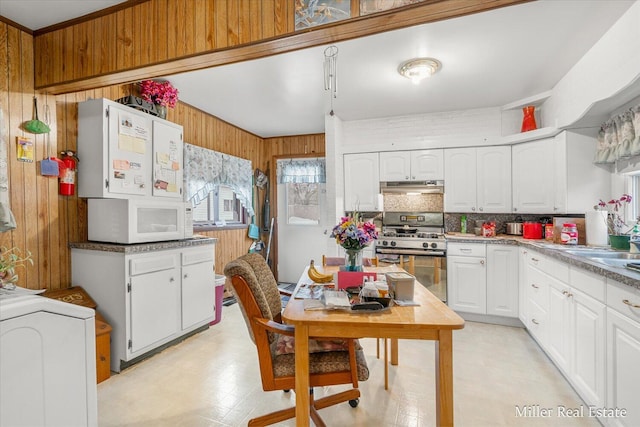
(411, 252)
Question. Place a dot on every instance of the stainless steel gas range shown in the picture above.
(416, 239)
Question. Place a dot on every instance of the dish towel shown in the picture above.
(7, 221)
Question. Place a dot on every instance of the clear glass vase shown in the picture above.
(353, 260)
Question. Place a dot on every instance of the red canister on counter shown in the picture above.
(569, 234)
(532, 230)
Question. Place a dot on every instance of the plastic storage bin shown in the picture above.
(220, 279)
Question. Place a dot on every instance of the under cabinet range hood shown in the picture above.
(412, 187)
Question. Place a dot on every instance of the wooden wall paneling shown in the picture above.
(160, 31)
(210, 24)
(200, 27)
(124, 40)
(43, 45)
(57, 71)
(233, 22)
(144, 40)
(244, 21)
(220, 23)
(5, 238)
(104, 47)
(83, 49)
(255, 20)
(68, 55)
(281, 17)
(15, 114)
(191, 8)
(50, 186)
(268, 19)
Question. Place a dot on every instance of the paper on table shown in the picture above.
(405, 303)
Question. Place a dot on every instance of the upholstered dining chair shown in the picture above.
(331, 361)
(335, 261)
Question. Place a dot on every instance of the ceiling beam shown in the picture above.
(420, 13)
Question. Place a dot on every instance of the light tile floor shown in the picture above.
(212, 379)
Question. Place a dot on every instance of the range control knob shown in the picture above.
(425, 245)
(385, 243)
(434, 245)
(393, 243)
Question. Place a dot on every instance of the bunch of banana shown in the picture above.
(318, 277)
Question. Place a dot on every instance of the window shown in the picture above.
(635, 198)
(221, 206)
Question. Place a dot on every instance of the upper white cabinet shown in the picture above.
(478, 179)
(533, 172)
(126, 152)
(420, 165)
(361, 182)
(557, 175)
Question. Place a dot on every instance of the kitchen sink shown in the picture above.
(603, 254)
(614, 262)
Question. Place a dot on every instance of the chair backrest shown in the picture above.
(263, 298)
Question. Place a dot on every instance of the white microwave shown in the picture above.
(139, 220)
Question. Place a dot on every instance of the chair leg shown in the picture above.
(274, 417)
(377, 348)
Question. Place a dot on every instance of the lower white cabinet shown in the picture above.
(467, 284)
(623, 353)
(502, 280)
(47, 363)
(483, 279)
(148, 297)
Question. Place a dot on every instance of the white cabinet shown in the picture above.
(623, 352)
(466, 277)
(460, 180)
(478, 179)
(198, 286)
(557, 175)
(47, 363)
(126, 152)
(483, 279)
(565, 312)
(154, 289)
(149, 296)
(502, 280)
(419, 165)
(533, 177)
(361, 182)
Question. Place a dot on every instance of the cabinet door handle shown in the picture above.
(481, 209)
(171, 280)
(567, 294)
(630, 304)
(185, 276)
(481, 262)
(407, 177)
(534, 321)
(535, 259)
(533, 285)
(515, 209)
(473, 209)
(465, 250)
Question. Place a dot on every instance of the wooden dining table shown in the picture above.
(431, 319)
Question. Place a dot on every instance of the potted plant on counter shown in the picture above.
(616, 225)
(9, 260)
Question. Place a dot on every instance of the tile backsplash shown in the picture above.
(413, 203)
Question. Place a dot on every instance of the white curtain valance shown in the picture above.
(205, 169)
(301, 171)
(619, 137)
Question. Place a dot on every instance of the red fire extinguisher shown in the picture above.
(67, 173)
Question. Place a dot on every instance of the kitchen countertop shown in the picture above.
(557, 251)
(143, 247)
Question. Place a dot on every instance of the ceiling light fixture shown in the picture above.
(419, 68)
